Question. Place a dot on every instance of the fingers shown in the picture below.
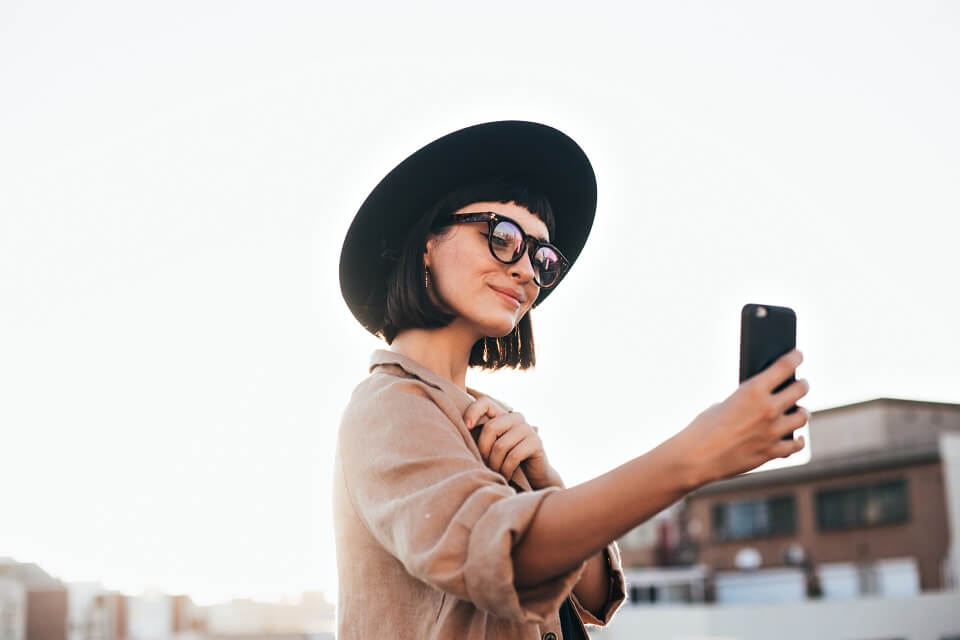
(782, 368)
(490, 433)
(786, 448)
(788, 423)
(505, 439)
(788, 397)
(518, 454)
(477, 410)
(503, 446)
(481, 407)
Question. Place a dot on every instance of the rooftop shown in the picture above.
(865, 436)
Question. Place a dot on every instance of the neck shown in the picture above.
(445, 351)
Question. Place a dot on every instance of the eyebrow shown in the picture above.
(540, 238)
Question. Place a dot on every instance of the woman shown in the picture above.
(450, 521)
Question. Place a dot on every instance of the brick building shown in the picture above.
(44, 600)
(869, 514)
(876, 511)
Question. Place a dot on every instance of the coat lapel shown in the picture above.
(461, 399)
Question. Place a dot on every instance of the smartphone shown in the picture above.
(766, 333)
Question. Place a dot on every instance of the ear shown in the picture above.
(431, 242)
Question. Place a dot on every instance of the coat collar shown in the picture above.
(417, 369)
(461, 398)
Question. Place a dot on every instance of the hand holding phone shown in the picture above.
(766, 333)
(756, 422)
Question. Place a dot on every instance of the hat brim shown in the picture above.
(548, 158)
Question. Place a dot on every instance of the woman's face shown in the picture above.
(465, 277)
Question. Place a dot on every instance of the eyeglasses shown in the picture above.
(508, 243)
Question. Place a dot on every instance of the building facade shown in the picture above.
(874, 512)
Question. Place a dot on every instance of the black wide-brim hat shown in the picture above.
(547, 159)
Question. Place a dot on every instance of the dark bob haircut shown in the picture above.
(408, 305)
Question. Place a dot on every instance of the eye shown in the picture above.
(506, 234)
(501, 240)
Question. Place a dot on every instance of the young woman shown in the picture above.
(450, 521)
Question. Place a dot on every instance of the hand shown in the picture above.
(745, 430)
(506, 442)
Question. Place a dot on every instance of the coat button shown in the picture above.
(549, 635)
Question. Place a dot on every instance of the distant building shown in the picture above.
(81, 605)
(660, 560)
(107, 617)
(36, 606)
(870, 514)
(149, 617)
(13, 610)
(640, 546)
(861, 542)
(46, 599)
(312, 616)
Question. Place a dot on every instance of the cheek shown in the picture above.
(467, 265)
(459, 275)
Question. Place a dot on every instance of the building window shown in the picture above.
(643, 594)
(863, 506)
(745, 519)
(666, 593)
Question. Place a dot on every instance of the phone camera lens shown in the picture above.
(761, 312)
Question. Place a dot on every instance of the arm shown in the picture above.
(507, 441)
(430, 502)
(727, 439)
(575, 524)
(593, 589)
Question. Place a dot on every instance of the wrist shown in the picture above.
(691, 472)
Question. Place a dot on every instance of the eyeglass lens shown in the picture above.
(508, 245)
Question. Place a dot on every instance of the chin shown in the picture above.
(495, 329)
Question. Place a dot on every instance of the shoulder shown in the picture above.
(386, 407)
(388, 384)
(382, 394)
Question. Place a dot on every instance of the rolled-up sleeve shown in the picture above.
(616, 594)
(433, 505)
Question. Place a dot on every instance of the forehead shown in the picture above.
(531, 224)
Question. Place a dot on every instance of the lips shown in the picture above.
(519, 297)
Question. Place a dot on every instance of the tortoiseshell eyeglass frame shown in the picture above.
(531, 243)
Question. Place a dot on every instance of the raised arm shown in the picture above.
(729, 438)
(576, 523)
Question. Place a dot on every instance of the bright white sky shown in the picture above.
(176, 179)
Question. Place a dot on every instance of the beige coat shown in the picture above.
(424, 530)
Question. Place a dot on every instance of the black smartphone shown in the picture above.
(766, 333)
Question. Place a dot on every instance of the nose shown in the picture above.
(522, 269)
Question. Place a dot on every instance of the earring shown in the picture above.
(426, 277)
